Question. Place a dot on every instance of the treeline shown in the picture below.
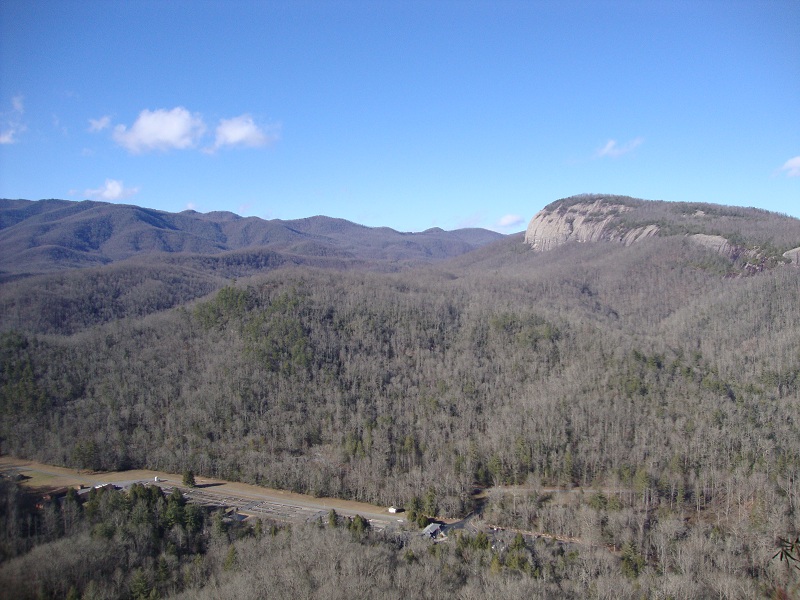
(70, 301)
(143, 544)
(138, 543)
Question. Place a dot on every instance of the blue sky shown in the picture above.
(402, 114)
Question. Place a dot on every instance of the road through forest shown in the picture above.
(252, 500)
(247, 499)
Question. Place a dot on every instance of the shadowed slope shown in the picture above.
(52, 235)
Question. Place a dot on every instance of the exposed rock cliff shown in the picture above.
(590, 221)
(751, 238)
(793, 255)
(717, 243)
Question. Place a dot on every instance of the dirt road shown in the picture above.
(247, 499)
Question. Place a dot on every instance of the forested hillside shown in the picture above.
(57, 235)
(660, 378)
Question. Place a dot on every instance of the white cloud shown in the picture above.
(99, 124)
(161, 130)
(242, 131)
(11, 122)
(7, 136)
(614, 150)
(111, 190)
(177, 128)
(792, 167)
(510, 221)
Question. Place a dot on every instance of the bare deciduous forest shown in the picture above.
(658, 381)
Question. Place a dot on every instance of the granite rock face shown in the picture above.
(793, 255)
(590, 221)
(623, 220)
(717, 243)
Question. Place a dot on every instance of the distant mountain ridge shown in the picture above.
(52, 235)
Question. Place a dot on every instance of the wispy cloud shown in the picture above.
(11, 124)
(99, 124)
(509, 221)
(161, 130)
(57, 125)
(112, 190)
(792, 167)
(243, 131)
(612, 149)
(473, 220)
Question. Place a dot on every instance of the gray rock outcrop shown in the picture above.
(590, 221)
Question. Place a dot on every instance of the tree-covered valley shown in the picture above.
(658, 381)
